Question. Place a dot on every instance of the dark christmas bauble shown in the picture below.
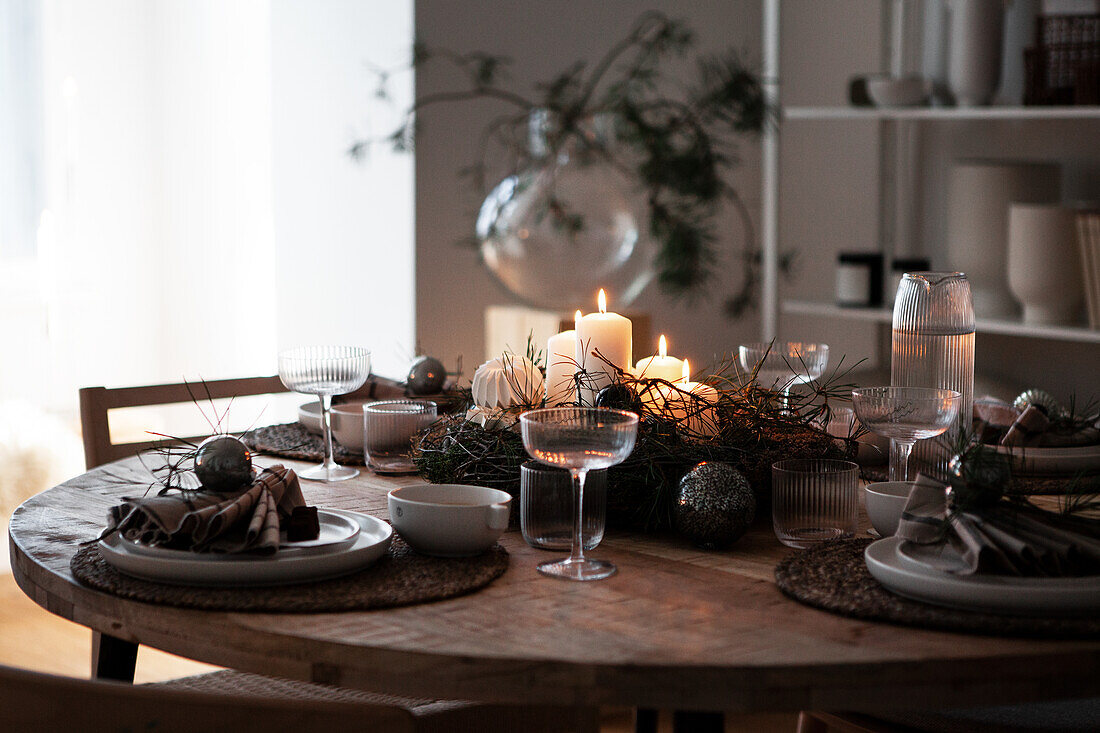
(426, 376)
(713, 505)
(619, 397)
(977, 478)
(223, 463)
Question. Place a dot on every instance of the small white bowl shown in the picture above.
(885, 502)
(347, 424)
(449, 520)
(907, 91)
(309, 415)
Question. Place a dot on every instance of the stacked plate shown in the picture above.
(912, 571)
(348, 541)
(1052, 461)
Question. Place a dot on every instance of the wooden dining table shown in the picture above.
(676, 628)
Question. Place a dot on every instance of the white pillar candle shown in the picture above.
(688, 401)
(661, 366)
(610, 335)
(561, 355)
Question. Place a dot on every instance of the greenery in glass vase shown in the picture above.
(674, 140)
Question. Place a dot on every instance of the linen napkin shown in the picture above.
(243, 521)
(1002, 539)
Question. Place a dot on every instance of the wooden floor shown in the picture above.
(33, 638)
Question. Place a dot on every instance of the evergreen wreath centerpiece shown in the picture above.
(737, 423)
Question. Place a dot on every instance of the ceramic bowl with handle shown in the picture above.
(449, 520)
(885, 502)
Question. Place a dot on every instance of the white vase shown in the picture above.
(1044, 263)
(975, 38)
(978, 196)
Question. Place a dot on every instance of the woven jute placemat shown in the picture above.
(833, 577)
(400, 578)
(292, 440)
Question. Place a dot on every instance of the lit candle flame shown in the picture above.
(601, 299)
(577, 319)
(662, 347)
(686, 372)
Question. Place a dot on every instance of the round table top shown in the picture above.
(676, 627)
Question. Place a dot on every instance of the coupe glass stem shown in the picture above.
(326, 404)
(899, 459)
(576, 554)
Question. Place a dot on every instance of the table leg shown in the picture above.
(693, 722)
(113, 658)
(645, 720)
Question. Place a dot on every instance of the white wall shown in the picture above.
(544, 38)
(178, 137)
(343, 230)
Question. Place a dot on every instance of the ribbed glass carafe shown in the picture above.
(933, 346)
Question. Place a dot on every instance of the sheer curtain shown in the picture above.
(176, 199)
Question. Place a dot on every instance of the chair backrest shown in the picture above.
(43, 702)
(96, 402)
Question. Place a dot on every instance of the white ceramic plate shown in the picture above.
(337, 532)
(994, 594)
(1043, 461)
(371, 542)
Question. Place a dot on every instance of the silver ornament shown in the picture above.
(1040, 398)
(223, 463)
(426, 376)
(713, 505)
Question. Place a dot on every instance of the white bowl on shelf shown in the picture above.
(906, 91)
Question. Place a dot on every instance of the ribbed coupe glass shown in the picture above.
(933, 346)
(779, 365)
(325, 371)
(905, 415)
(579, 439)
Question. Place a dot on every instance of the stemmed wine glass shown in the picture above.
(325, 371)
(580, 439)
(781, 365)
(905, 415)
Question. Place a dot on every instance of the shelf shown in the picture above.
(941, 113)
(1079, 334)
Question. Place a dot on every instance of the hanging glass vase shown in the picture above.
(557, 232)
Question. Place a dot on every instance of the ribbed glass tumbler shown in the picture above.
(388, 431)
(547, 504)
(814, 500)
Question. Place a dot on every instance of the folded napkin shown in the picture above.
(1002, 539)
(1000, 423)
(243, 521)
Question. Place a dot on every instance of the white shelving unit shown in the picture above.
(771, 306)
(982, 325)
(943, 114)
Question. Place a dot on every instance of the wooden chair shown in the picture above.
(1070, 716)
(97, 402)
(114, 659)
(32, 701)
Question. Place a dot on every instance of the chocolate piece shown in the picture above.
(303, 524)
